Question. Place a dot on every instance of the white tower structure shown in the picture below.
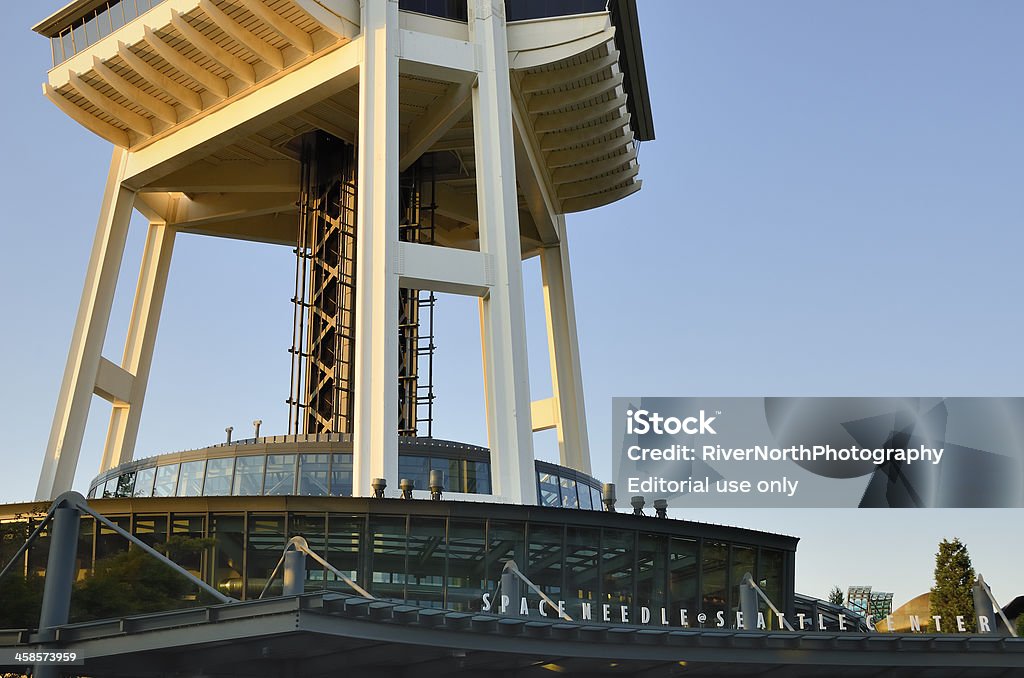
(220, 112)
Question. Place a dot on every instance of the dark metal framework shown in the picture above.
(416, 307)
(323, 346)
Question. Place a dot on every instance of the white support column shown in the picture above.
(76, 391)
(375, 433)
(563, 351)
(503, 315)
(138, 348)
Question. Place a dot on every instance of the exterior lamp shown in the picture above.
(406, 486)
(228, 430)
(661, 507)
(638, 505)
(378, 485)
(608, 496)
(436, 484)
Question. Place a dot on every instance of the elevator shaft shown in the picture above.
(323, 334)
(323, 329)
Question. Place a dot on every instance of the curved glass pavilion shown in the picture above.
(321, 466)
(448, 554)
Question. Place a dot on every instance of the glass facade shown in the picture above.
(95, 25)
(515, 10)
(424, 553)
(325, 473)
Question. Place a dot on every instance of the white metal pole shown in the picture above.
(375, 411)
(79, 382)
(503, 314)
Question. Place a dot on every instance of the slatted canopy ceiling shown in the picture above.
(578, 111)
(183, 58)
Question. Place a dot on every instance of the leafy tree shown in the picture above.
(132, 582)
(835, 596)
(135, 582)
(954, 580)
(1020, 626)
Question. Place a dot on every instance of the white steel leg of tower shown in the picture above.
(375, 414)
(139, 344)
(503, 315)
(563, 351)
(82, 372)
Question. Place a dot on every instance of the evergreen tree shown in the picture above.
(954, 580)
(1020, 626)
(835, 596)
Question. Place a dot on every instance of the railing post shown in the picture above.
(294, 573)
(748, 602)
(60, 575)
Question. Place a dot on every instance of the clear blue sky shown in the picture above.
(833, 206)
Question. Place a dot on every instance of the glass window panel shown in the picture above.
(151, 529)
(110, 488)
(341, 475)
(769, 578)
(415, 468)
(248, 476)
(595, 499)
(130, 11)
(40, 550)
(387, 557)
(505, 541)
(110, 543)
(651, 572)
(92, 29)
(190, 481)
(185, 529)
(116, 13)
(313, 475)
(584, 492)
(144, 482)
(617, 550)
(549, 495)
(280, 478)
(218, 477)
(451, 468)
(478, 477)
(125, 485)
(81, 38)
(344, 537)
(228, 533)
(545, 558)
(683, 572)
(84, 557)
(466, 563)
(266, 542)
(582, 573)
(715, 566)
(103, 19)
(57, 50)
(426, 564)
(92, 492)
(569, 499)
(744, 559)
(166, 481)
(68, 43)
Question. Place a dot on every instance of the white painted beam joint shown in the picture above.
(443, 269)
(544, 414)
(113, 383)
